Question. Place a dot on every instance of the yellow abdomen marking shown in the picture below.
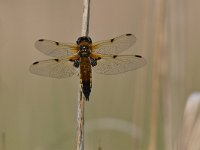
(85, 76)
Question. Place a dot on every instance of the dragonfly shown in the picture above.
(84, 56)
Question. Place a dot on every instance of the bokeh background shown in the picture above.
(141, 109)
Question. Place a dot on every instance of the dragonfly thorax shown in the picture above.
(84, 50)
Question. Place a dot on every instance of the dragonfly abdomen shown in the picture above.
(85, 76)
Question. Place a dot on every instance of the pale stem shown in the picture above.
(80, 113)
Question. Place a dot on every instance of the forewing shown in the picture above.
(55, 68)
(115, 45)
(55, 49)
(114, 64)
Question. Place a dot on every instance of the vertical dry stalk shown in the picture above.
(80, 113)
(80, 121)
(156, 74)
(86, 17)
(3, 141)
(173, 87)
(190, 132)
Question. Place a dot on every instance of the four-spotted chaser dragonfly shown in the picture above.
(85, 56)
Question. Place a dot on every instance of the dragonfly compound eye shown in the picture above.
(84, 39)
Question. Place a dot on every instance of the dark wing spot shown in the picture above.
(57, 43)
(114, 56)
(111, 40)
(138, 56)
(35, 62)
(98, 58)
(56, 60)
(128, 34)
(41, 40)
(71, 60)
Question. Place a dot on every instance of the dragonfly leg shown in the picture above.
(93, 62)
(76, 63)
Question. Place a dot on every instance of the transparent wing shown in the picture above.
(115, 45)
(55, 68)
(115, 64)
(55, 49)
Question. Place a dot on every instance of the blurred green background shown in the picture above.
(138, 110)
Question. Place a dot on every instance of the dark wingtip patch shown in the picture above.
(41, 40)
(57, 43)
(138, 56)
(128, 34)
(111, 40)
(114, 56)
(35, 62)
(56, 60)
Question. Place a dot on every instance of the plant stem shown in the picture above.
(86, 17)
(80, 113)
(80, 122)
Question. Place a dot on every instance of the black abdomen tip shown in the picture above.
(86, 89)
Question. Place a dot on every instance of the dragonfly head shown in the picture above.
(85, 39)
(84, 44)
